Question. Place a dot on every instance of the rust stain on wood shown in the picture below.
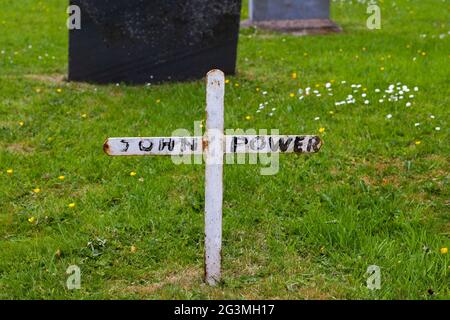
(205, 144)
(106, 148)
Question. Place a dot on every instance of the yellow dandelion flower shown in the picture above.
(305, 54)
(322, 130)
(21, 123)
(132, 173)
(133, 249)
(292, 95)
(10, 171)
(72, 205)
(257, 89)
(424, 53)
(317, 85)
(418, 142)
(443, 250)
(331, 112)
(61, 178)
(36, 190)
(227, 81)
(31, 219)
(59, 90)
(158, 100)
(382, 68)
(236, 84)
(38, 90)
(294, 75)
(83, 115)
(248, 117)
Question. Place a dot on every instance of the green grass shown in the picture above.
(372, 196)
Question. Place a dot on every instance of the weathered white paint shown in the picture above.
(157, 146)
(135, 146)
(272, 144)
(213, 148)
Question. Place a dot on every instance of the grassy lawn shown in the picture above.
(376, 194)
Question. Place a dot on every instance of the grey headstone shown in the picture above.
(265, 10)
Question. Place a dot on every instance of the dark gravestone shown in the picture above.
(141, 41)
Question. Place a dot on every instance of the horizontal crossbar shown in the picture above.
(171, 146)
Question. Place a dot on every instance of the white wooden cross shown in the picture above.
(212, 145)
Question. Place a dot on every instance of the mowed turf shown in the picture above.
(376, 194)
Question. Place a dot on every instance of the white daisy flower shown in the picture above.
(389, 116)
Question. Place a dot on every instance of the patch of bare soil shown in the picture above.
(53, 78)
(184, 279)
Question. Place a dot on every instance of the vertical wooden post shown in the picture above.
(213, 151)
